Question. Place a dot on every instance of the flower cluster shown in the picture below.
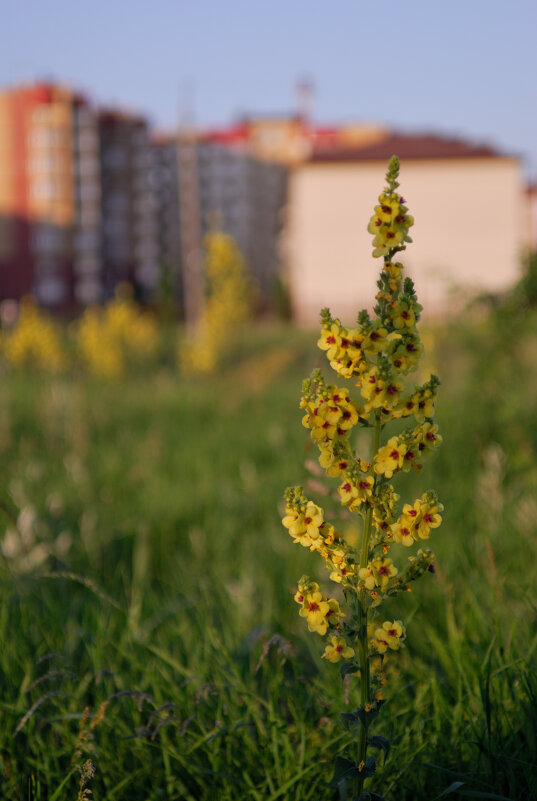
(390, 222)
(321, 613)
(375, 356)
(118, 335)
(33, 341)
(226, 308)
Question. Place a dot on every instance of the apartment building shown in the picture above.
(224, 188)
(49, 196)
(76, 208)
(88, 200)
(245, 197)
(129, 248)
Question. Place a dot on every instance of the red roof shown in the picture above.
(420, 146)
(234, 135)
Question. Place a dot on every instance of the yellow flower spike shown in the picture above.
(226, 308)
(376, 355)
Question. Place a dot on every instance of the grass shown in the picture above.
(146, 578)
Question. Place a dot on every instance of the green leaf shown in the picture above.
(344, 769)
(350, 717)
(59, 789)
(367, 796)
(369, 768)
(348, 667)
(378, 741)
(479, 794)
(361, 715)
(451, 789)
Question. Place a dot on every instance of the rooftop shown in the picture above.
(408, 146)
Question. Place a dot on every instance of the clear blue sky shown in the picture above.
(466, 67)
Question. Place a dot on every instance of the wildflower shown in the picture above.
(226, 307)
(427, 437)
(384, 570)
(34, 341)
(330, 340)
(402, 533)
(335, 613)
(305, 586)
(430, 515)
(337, 649)
(406, 352)
(315, 609)
(367, 576)
(334, 464)
(377, 353)
(389, 636)
(305, 523)
(390, 458)
(403, 315)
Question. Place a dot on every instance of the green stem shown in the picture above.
(363, 652)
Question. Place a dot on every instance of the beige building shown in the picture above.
(531, 217)
(468, 203)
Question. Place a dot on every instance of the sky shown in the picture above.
(465, 67)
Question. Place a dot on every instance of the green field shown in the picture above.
(144, 564)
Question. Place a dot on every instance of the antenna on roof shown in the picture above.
(305, 96)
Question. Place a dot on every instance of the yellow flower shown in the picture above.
(388, 207)
(384, 570)
(294, 521)
(315, 610)
(390, 458)
(425, 405)
(402, 533)
(389, 636)
(406, 353)
(376, 340)
(347, 491)
(367, 576)
(337, 649)
(305, 586)
(377, 573)
(427, 437)
(403, 315)
(330, 340)
(430, 518)
(334, 613)
(313, 519)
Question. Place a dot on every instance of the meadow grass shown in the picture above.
(146, 611)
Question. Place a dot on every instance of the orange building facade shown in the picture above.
(49, 194)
